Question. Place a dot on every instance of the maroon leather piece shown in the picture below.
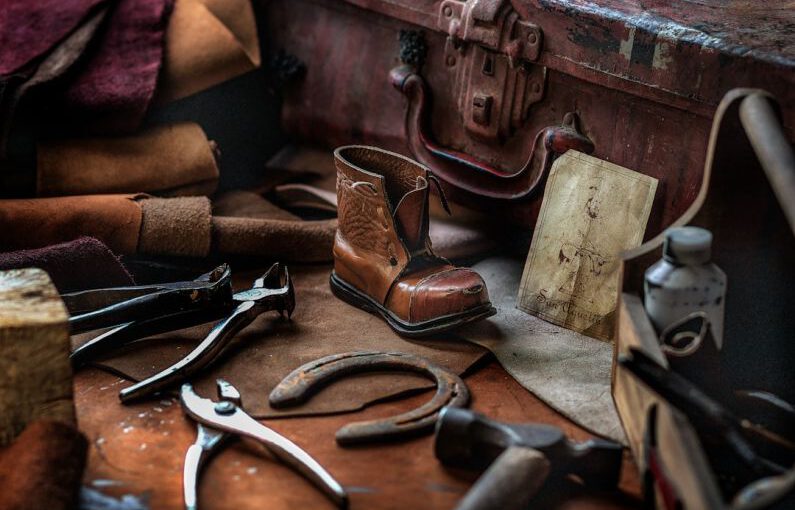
(30, 28)
(112, 92)
(85, 263)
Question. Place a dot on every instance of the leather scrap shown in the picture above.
(270, 348)
(207, 42)
(173, 159)
(35, 223)
(85, 263)
(568, 370)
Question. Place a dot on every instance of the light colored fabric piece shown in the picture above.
(176, 226)
(568, 370)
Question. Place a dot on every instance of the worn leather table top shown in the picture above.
(137, 451)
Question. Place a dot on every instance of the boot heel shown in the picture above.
(344, 292)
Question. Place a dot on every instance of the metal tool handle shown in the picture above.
(127, 311)
(198, 358)
(510, 482)
(295, 457)
(190, 475)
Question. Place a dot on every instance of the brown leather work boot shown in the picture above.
(383, 260)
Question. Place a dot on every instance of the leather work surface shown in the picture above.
(137, 452)
(271, 347)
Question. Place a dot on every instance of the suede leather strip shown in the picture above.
(175, 226)
(162, 158)
(284, 240)
(34, 223)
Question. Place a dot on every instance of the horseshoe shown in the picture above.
(305, 380)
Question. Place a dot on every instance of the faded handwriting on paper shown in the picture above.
(591, 211)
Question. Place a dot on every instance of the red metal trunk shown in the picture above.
(488, 92)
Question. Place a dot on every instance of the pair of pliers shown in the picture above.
(151, 310)
(218, 422)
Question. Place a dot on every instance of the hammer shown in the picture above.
(518, 458)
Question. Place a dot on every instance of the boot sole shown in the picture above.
(357, 298)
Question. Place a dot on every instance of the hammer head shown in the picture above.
(469, 440)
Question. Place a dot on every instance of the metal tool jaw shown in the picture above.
(272, 292)
(219, 421)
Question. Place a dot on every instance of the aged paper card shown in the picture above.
(591, 212)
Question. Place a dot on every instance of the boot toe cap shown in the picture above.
(450, 292)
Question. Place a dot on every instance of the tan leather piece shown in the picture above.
(176, 159)
(34, 223)
(207, 42)
(176, 226)
(418, 286)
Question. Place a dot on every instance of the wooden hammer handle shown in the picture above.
(509, 483)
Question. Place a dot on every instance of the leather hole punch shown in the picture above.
(307, 379)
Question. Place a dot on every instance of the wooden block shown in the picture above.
(35, 372)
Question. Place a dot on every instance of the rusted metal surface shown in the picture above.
(644, 84)
(300, 384)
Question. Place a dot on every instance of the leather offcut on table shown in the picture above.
(207, 42)
(567, 370)
(168, 160)
(270, 348)
(184, 226)
(84, 263)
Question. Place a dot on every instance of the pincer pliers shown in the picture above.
(138, 312)
(221, 421)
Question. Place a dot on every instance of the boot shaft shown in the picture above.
(380, 191)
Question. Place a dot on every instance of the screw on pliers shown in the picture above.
(218, 422)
